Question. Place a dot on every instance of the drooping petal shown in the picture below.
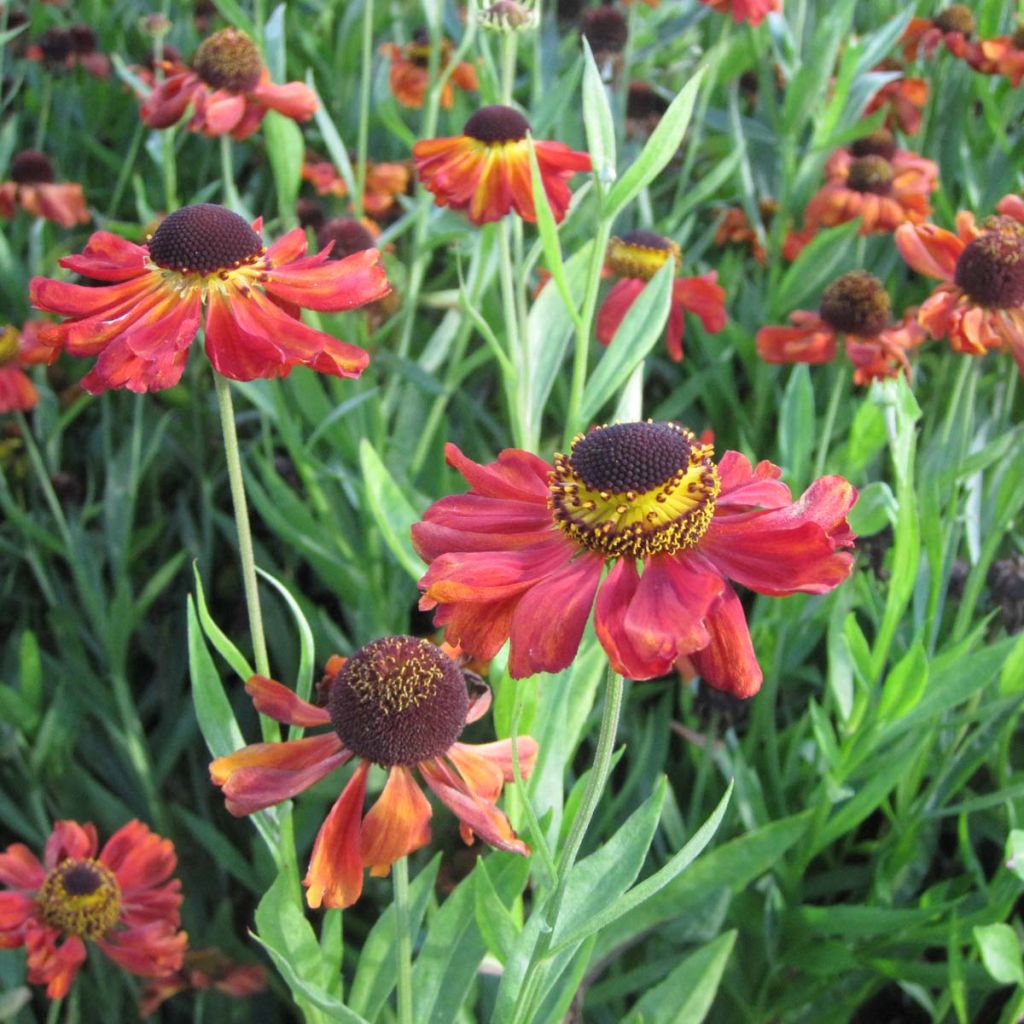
(15, 909)
(335, 874)
(729, 662)
(743, 488)
(811, 340)
(17, 392)
(516, 474)
(52, 965)
(69, 840)
(397, 824)
(929, 250)
(481, 628)
(151, 950)
(333, 286)
(278, 702)
(20, 868)
(499, 753)
(613, 600)
(62, 203)
(293, 99)
(108, 257)
(138, 857)
(615, 306)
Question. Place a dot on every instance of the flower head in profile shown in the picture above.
(410, 71)
(32, 188)
(606, 32)
(19, 350)
(401, 703)
(384, 183)
(65, 48)
(122, 899)
(751, 11)
(1002, 55)
(979, 304)
(142, 322)
(635, 258)
(858, 307)
(902, 99)
(874, 180)
(523, 555)
(954, 26)
(228, 88)
(203, 969)
(735, 229)
(485, 172)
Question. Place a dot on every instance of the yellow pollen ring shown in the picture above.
(87, 914)
(668, 518)
(10, 343)
(241, 273)
(627, 259)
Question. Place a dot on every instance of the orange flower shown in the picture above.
(953, 26)
(735, 229)
(1003, 55)
(980, 303)
(410, 68)
(18, 350)
(229, 89)
(33, 189)
(636, 258)
(123, 899)
(400, 703)
(143, 321)
(202, 969)
(857, 306)
(486, 170)
(902, 99)
(384, 182)
(873, 180)
(752, 11)
(523, 556)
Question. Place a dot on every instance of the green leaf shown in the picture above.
(304, 680)
(213, 709)
(686, 995)
(1000, 953)
(234, 14)
(1011, 678)
(288, 937)
(548, 231)
(1015, 852)
(223, 646)
(875, 509)
(286, 149)
(797, 434)
(495, 921)
(274, 44)
(904, 685)
(393, 513)
(660, 148)
(816, 263)
(597, 119)
(30, 670)
(641, 328)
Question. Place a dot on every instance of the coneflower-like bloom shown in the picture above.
(752, 11)
(902, 99)
(1003, 55)
(400, 703)
(384, 183)
(485, 172)
(980, 303)
(143, 321)
(735, 229)
(410, 71)
(229, 89)
(523, 555)
(858, 307)
(635, 258)
(18, 350)
(644, 108)
(65, 48)
(606, 32)
(203, 969)
(122, 899)
(33, 189)
(873, 180)
(953, 26)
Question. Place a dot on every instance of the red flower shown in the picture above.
(229, 89)
(410, 70)
(902, 99)
(384, 182)
(636, 258)
(877, 182)
(522, 555)
(752, 11)
(33, 189)
(18, 350)
(401, 703)
(857, 306)
(953, 26)
(69, 48)
(486, 170)
(1003, 55)
(142, 323)
(980, 303)
(123, 899)
(202, 969)
(735, 229)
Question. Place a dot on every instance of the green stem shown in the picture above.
(537, 840)
(44, 111)
(509, 43)
(513, 342)
(400, 877)
(583, 325)
(53, 1013)
(533, 979)
(363, 131)
(838, 389)
(245, 549)
(231, 198)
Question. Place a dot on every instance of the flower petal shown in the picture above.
(69, 840)
(729, 662)
(397, 824)
(335, 874)
(276, 701)
(20, 868)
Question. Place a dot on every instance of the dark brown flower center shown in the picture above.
(80, 897)
(604, 28)
(1017, 39)
(229, 60)
(871, 173)
(204, 239)
(635, 489)
(991, 269)
(643, 102)
(879, 143)
(348, 236)
(56, 45)
(398, 701)
(856, 303)
(83, 39)
(31, 167)
(956, 18)
(309, 213)
(496, 124)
